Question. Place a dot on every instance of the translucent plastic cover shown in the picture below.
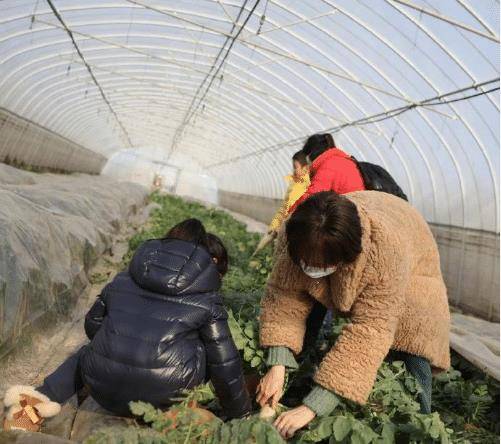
(237, 86)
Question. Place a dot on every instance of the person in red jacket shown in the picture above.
(331, 168)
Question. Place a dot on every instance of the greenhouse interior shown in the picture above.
(249, 221)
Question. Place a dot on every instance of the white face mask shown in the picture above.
(316, 272)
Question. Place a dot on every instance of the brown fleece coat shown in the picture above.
(393, 292)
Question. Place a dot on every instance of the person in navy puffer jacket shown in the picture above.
(159, 328)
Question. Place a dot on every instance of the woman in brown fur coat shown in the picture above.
(369, 255)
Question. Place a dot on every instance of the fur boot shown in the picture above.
(27, 408)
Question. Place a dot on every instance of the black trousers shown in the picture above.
(314, 324)
(65, 381)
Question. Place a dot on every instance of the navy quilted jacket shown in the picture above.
(161, 327)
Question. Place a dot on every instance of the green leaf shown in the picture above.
(362, 434)
(341, 427)
(259, 433)
(248, 354)
(249, 331)
(388, 433)
(324, 429)
(437, 428)
(256, 360)
(225, 434)
(236, 331)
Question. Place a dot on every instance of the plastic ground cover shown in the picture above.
(52, 228)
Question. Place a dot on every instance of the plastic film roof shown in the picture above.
(238, 85)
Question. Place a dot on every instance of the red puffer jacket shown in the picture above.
(334, 171)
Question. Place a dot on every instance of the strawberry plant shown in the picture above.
(465, 401)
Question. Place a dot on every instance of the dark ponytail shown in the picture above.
(329, 140)
(189, 230)
(316, 144)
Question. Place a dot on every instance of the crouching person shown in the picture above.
(157, 329)
(371, 256)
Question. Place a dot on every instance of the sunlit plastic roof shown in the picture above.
(238, 85)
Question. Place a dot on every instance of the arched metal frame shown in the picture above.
(281, 83)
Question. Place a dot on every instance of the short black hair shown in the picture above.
(217, 250)
(324, 230)
(189, 230)
(300, 157)
(317, 144)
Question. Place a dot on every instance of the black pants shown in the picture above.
(65, 381)
(314, 324)
(416, 365)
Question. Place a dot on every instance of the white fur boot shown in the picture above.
(27, 408)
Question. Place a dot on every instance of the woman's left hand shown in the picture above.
(290, 422)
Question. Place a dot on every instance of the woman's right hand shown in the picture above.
(270, 389)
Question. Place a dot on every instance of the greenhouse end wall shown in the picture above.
(469, 258)
(25, 143)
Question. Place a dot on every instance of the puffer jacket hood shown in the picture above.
(174, 267)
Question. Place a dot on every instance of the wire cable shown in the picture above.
(195, 102)
(375, 118)
(89, 69)
(233, 39)
(464, 98)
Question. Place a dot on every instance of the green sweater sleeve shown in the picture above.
(281, 356)
(321, 400)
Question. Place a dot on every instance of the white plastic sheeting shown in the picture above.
(236, 85)
(477, 341)
(52, 230)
